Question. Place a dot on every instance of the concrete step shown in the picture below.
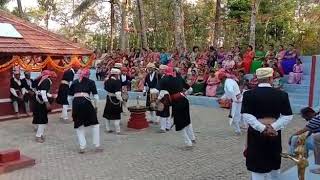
(298, 96)
(297, 107)
(298, 101)
(296, 86)
(305, 81)
(298, 90)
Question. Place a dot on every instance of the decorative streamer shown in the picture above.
(18, 61)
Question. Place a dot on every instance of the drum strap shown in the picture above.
(112, 102)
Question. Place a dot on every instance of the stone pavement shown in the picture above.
(136, 156)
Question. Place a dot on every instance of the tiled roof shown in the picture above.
(36, 40)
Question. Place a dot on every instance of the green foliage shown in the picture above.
(3, 4)
(239, 9)
(277, 22)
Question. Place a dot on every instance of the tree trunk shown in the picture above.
(216, 23)
(112, 21)
(47, 17)
(180, 40)
(124, 25)
(155, 25)
(20, 8)
(254, 10)
(143, 31)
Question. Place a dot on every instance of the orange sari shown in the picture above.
(247, 60)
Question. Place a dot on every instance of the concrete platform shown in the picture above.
(137, 155)
(11, 160)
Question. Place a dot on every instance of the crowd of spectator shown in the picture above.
(199, 67)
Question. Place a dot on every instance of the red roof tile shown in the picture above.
(36, 40)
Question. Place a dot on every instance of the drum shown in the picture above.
(225, 103)
(153, 98)
(159, 106)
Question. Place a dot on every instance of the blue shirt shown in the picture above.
(314, 124)
(164, 58)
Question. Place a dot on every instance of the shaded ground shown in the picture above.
(137, 155)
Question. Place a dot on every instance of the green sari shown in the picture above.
(257, 61)
(198, 88)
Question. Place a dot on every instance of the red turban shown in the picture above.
(124, 69)
(169, 72)
(46, 74)
(84, 73)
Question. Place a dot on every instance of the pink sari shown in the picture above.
(141, 83)
(212, 85)
(295, 77)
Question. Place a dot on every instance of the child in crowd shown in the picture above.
(295, 77)
(212, 84)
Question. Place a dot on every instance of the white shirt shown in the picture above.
(279, 124)
(152, 76)
(231, 89)
(123, 77)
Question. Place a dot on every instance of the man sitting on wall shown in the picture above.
(313, 141)
(17, 91)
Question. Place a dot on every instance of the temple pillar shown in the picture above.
(5, 101)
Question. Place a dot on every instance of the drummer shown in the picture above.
(164, 112)
(125, 86)
(150, 84)
(112, 110)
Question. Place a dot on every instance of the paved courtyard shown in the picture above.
(137, 155)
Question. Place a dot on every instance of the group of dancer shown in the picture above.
(266, 110)
(78, 92)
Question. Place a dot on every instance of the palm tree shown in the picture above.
(216, 23)
(123, 41)
(112, 21)
(255, 8)
(86, 4)
(20, 11)
(180, 40)
(143, 32)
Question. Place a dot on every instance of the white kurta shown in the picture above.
(232, 91)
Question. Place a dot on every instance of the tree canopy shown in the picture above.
(158, 22)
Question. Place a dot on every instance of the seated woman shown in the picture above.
(199, 85)
(191, 68)
(289, 59)
(237, 58)
(279, 57)
(258, 60)
(183, 69)
(295, 77)
(247, 59)
(212, 85)
(221, 55)
(141, 78)
(228, 64)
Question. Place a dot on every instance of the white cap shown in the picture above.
(118, 65)
(263, 73)
(115, 71)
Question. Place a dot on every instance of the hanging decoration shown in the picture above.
(33, 64)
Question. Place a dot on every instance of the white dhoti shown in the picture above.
(81, 134)
(273, 175)
(236, 116)
(116, 124)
